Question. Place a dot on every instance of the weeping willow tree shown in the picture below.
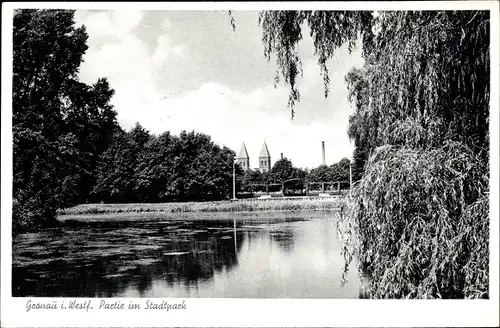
(417, 222)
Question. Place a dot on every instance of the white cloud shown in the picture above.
(117, 53)
(230, 117)
(164, 50)
(117, 23)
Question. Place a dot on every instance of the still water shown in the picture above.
(264, 255)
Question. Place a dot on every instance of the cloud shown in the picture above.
(117, 53)
(229, 116)
(123, 58)
(164, 50)
(117, 23)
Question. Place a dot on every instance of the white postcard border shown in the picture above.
(254, 312)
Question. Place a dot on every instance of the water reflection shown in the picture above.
(235, 256)
(283, 238)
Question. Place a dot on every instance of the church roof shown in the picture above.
(264, 152)
(243, 152)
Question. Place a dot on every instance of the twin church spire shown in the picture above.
(243, 159)
(264, 158)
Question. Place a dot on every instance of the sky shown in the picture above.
(188, 70)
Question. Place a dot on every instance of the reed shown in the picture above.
(216, 206)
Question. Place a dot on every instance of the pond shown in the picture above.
(234, 255)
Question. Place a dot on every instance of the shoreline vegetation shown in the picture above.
(87, 211)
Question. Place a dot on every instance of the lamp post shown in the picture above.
(234, 180)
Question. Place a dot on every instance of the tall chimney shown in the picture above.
(323, 151)
(281, 155)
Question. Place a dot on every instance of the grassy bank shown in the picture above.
(220, 206)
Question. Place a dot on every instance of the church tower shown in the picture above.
(243, 160)
(264, 159)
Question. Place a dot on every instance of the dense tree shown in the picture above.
(203, 170)
(59, 124)
(420, 130)
(340, 172)
(322, 173)
(91, 121)
(139, 137)
(154, 170)
(299, 173)
(336, 173)
(116, 177)
(250, 177)
(139, 167)
(282, 170)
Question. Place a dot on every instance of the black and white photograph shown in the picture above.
(234, 153)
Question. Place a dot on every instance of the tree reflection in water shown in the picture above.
(284, 238)
(183, 252)
(275, 256)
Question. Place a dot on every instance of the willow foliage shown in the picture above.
(430, 81)
(418, 223)
(418, 218)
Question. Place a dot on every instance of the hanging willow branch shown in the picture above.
(282, 32)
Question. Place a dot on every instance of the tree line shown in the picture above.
(142, 167)
(139, 166)
(283, 171)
